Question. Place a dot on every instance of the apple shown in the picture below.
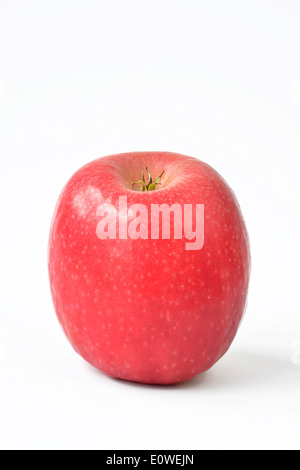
(149, 265)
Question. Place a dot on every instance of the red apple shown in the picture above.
(139, 302)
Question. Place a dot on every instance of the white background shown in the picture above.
(218, 80)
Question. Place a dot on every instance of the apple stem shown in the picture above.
(151, 185)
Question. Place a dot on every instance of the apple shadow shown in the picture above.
(241, 368)
(238, 368)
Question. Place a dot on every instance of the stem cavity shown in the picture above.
(151, 185)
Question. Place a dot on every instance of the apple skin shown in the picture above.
(148, 310)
